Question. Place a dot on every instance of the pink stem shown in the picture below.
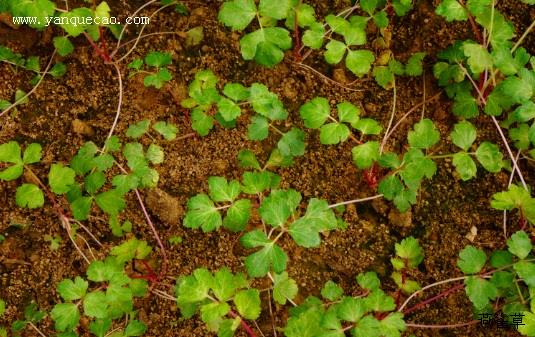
(447, 326)
(432, 299)
(244, 325)
(155, 232)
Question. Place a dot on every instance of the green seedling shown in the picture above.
(32, 316)
(28, 194)
(385, 75)
(510, 278)
(247, 159)
(370, 314)
(215, 296)
(402, 184)
(498, 71)
(84, 181)
(204, 213)
(167, 130)
(409, 255)
(278, 210)
(159, 75)
(267, 44)
(516, 197)
(175, 240)
(105, 296)
(204, 98)
(76, 22)
(317, 112)
(55, 241)
(32, 64)
(488, 154)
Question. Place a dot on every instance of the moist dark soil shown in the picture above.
(62, 114)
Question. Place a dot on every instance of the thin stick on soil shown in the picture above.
(125, 26)
(411, 110)
(521, 39)
(139, 36)
(155, 233)
(88, 246)
(148, 35)
(271, 314)
(511, 176)
(325, 77)
(446, 326)
(87, 231)
(258, 328)
(433, 299)
(356, 201)
(424, 96)
(163, 294)
(36, 329)
(391, 118)
(119, 105)
(462, 278)
(65, 224)
(508, 148)
(5, 111)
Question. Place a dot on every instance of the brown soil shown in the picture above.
(447, 207)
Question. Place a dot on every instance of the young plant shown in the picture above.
(106, 295)
(209, 106)
(159, 75)
(267, 44)
(31, 63)
(83, 180)
(55, 241)
(385, 74)
(278, 210)
(32, 316)
(317, 111)
(214, 295)
(372, 313)
(402, 183)
(516, 197)
(488, 154)
(15, 163)
(409, 255)
(510, 278)
(489, 74)
(347, 33)
(76, 22)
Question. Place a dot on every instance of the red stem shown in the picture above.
(155, 233)
(99, 51)
(447, 326)
(244, 325)
(432, 299)
(475, 29)
(104, 45)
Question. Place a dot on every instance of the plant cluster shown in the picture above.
(89, 178)
(490, 74)
(280, 210)
(267, 44)
(209, 106)
(158, 61)
(502, 282)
